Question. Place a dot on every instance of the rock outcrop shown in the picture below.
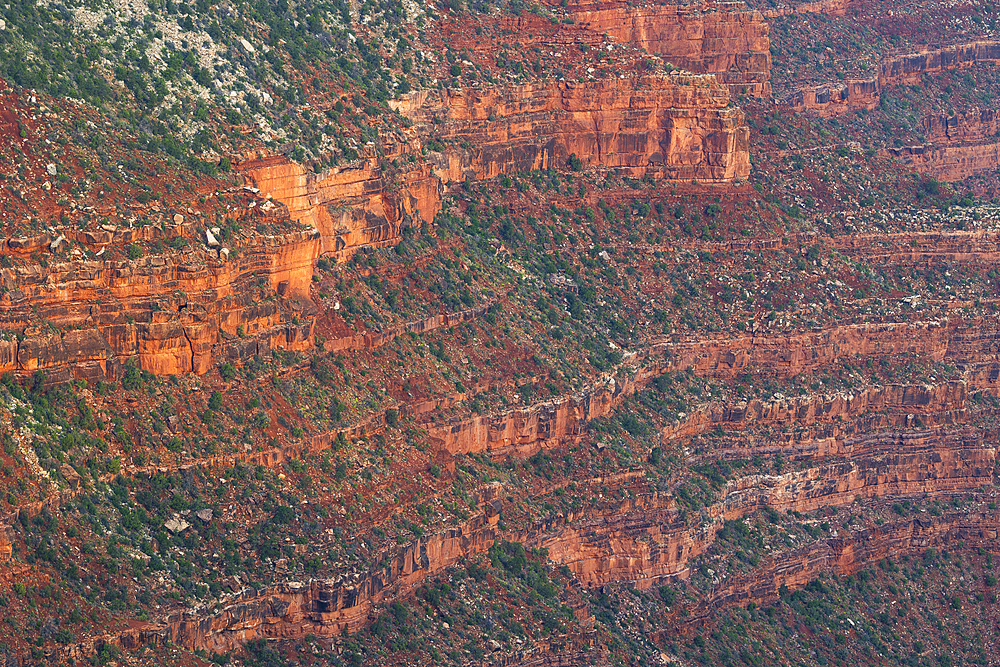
(950, 163)
(829, 7)
(171, 313)
(908, 68)
(647, 540)
(852, 551)
(676, 126)
(957, 146)
(727, 39)
(836, 98)
(893, 71)
(641, 540)
(6, 549)
(352, 206)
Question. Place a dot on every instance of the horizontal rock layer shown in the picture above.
(352, 206)
(727, 39)
(958, 146)
(675, 126)
(85, 319)
(641, 540)
(854, 551)
(649, 541)
(905, 69)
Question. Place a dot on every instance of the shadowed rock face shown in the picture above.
(173, 313)
(727, 39)
(673, 126)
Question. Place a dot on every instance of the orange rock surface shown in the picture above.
(640, 540)
(896, 70)
(172, 313)
(676, 126)
(957, 146)
(727, 39)
(6, 550)
(853, 551)
(647, 540)
(352, 206)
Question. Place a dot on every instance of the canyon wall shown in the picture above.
(640, 540)
(727, 39)
(835, 99)
(853, 551)
(352, 206)
(950, 163)
(893, 71)
(828, 7)
(6, 549)
(826, 421)
(675, 126)
(648, 540)
(171, 313)
(957, 146)
(908, 68)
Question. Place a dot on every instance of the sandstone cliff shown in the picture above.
(836, 99)
(950, 163)
(172, 313)
(829, 7)
(641, 540)
(897, 70)
(908, 68)
(727, 39)
(675, 126)
(352, 206)
(647, 540)
(957, 146)
(848, 553)
(6, 550)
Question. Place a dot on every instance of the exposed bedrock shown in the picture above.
(957, 146)
(727, 39)
(974, 345)
(951, 163)
(829, 7)
(908, 68)
(676, 126)
(172, 313)
(650, 540)
(921, 249)
(896, 70)
(352, 206)
(853, 551)
(641, 540)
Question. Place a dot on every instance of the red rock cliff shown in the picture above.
(677, 126)
(640, 540)
(905, 69)
(172, 313)
(352, 206)
(727, 39)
